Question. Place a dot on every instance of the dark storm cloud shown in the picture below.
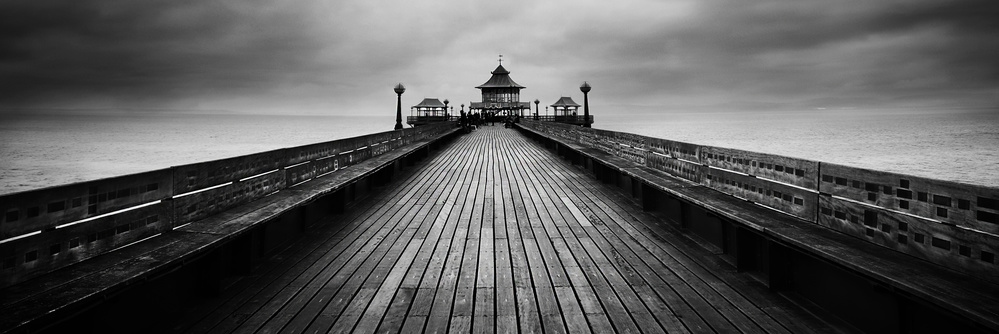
(808, 53)
(317, 56)
(86, 50)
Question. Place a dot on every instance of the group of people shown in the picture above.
(471, 121)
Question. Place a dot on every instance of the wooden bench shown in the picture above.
(838, 272)
(204, 250)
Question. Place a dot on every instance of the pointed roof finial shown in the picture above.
(501, 59)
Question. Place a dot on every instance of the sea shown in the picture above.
(40, 150)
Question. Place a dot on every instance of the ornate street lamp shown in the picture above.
(445, 108)
(399, 89)
(585, 88)
(536, 109)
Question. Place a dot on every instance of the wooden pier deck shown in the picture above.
(495, 233)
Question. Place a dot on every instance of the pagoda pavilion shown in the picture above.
(500, 96)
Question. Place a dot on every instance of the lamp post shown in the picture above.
(536, 101)
(445, 108)
(546, 112)
(585, 88)
(399, 89)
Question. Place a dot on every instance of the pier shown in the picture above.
(495, 234)
(539, 228)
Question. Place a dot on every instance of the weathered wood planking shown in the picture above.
(791, 200)
(605, 141)
(630, 147)
(44, 209)
(311, 152)
(690, 171)
(948, 245)
(567, 132)
(588, 138)
(309, 161)
(675, 158)
(203, 175)
(674, 149)
(36, 210)
(971, 206)
(486, 240)
(934, 239)
(300, 172)
(793, 185)
(203, 204)
(55, 248)
(798, 172)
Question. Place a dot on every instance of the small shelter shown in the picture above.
(567, 111)
(566, 105)
(430, 110)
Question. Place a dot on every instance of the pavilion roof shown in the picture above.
(500, 79)
(430, 102)
(565, 101)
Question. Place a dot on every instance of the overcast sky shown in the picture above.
(344, 57)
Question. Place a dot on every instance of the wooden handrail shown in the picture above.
(948, 223)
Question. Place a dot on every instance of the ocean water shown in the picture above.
(44, 150)
(38, 151)
(954, 145)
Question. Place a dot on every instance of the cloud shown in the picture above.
(314, 56)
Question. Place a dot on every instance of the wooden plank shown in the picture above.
(574, 210)
(355, 281)
(709, 308)
(605, 300)
(395, 316)
(361, 273)
(501, 236)
(280, 267)
(57, 248)
(754, 312)
(529, 320)
(798, 172)
(571, 310)
(205, 203)
(340, 238)
(448, 294)
(380, 303)
(486, 271)
(951, 246)
(485, 310)
(460, 324)
(408, 215)
(414, 324)
(187, 178)
(970, 206)
(37, 210)
(795, 201)
(613, 276)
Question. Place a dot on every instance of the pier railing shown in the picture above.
(948, 223)
(567, 119)
(45, 229)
